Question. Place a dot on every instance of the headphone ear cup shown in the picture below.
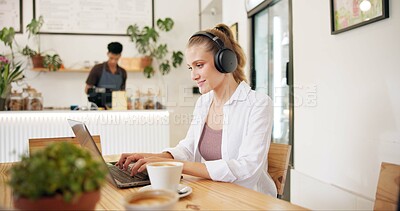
(225, 60)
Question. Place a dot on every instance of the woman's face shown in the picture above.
(201, 63)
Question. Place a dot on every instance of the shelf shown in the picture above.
(130, 64)
(61, 70)
(75, 70)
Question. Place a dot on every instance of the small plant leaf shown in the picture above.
(177, 58)
(148, 71)
(165, 25)
(165, 67)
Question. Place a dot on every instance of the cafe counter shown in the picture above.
(120, 131)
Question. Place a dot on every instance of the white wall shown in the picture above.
(341, 141)
(354, 125)
(62, 89)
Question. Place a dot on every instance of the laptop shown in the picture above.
(118, 177)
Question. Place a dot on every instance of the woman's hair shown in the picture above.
(225, 35)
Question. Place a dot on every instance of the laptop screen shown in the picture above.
(84, 138)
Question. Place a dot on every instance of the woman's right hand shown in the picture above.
(127, 158)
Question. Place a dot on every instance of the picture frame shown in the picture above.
(11, 15)
(347, 15)
(234, 29)
(96, 23)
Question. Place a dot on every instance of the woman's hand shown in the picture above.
(140, 164)
(127, 158)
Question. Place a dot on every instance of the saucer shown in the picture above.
(180, 186)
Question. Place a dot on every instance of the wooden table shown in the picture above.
(206, 195)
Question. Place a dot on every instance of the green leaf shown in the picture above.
(161, 51)
(133, 31)
(34, 26)
(165, 25)
(165, 67)
(177, 58)
(7, 36)
(148, 71)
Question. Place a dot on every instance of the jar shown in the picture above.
(25, 95)
(34, 102)
(137, 105)
(16, 102)
(149, 104)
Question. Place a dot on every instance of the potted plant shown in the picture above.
(33, 28)
(61, 176)
(52, 62)
(8, 73)
(146, 41)
(9, 70)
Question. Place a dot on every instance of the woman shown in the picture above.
(230, 134)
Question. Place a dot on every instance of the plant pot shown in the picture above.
(2, 104)
(87, 201)
(135, 63)
(37, 61)
(145, 61)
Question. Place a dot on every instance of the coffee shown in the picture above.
(149, 200)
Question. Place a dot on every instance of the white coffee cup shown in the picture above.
(165, 175)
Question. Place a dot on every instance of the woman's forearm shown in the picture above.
(195, 169)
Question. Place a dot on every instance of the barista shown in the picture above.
(108, 74)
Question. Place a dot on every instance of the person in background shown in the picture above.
(229, 137)
(108, 74)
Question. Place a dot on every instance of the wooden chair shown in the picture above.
(39, 143)
(278, 163)
(387, 192)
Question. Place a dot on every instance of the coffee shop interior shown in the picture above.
(334, 85)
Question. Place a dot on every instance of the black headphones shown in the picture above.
(225, 59)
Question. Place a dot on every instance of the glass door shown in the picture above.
(271, 59)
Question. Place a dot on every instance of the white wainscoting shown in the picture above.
(120, 131)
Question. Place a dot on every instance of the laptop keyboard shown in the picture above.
(125, 177)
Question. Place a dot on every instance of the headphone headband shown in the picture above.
(213, 37)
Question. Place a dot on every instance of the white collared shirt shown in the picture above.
(246, 136)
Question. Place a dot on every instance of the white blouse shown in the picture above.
(246, 136)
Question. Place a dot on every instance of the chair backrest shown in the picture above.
(278, 164)
(39, 143)
(387, 192)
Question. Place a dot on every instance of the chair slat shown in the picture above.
(36, 144)
(387, 192)
(278, 163)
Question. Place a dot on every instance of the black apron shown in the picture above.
(109, 80)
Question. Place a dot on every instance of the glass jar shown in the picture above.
(34, 102)
(16, 102)
(25, 95)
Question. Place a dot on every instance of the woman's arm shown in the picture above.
(127, 158)
(191, 168)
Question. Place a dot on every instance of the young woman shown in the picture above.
(230, 134)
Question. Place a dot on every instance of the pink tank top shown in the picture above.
(210, 143)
